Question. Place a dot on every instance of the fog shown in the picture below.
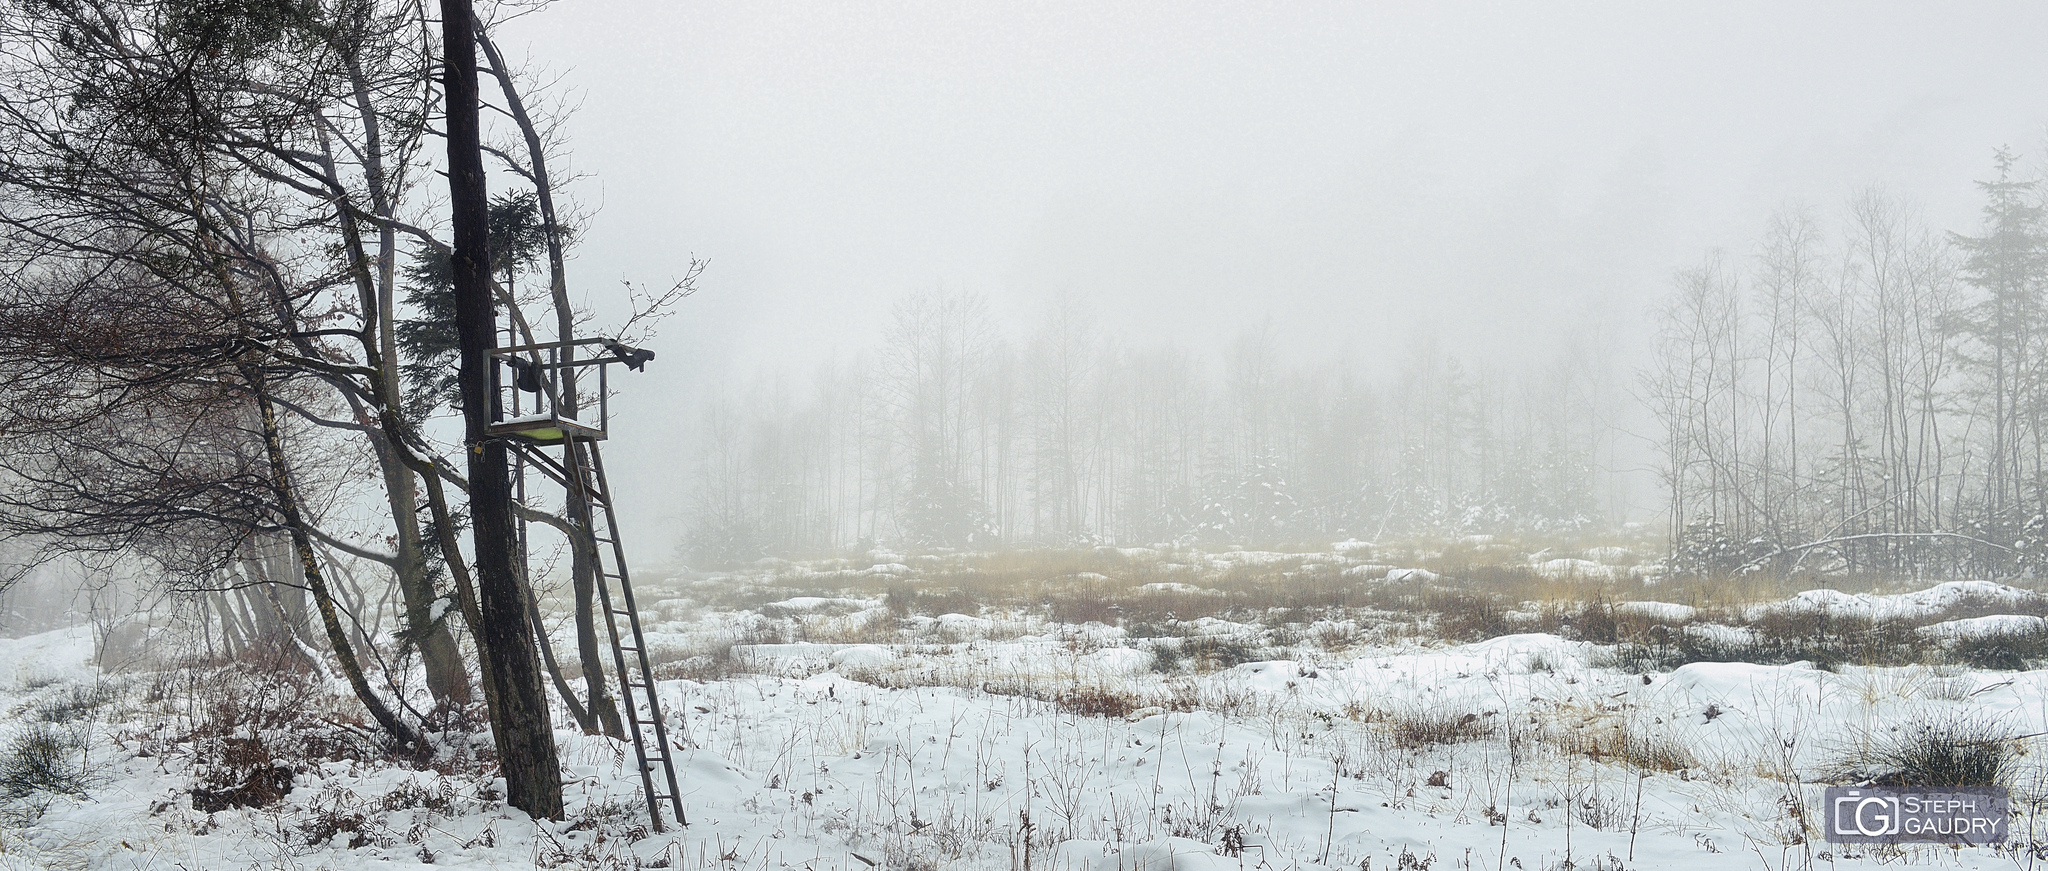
(1306, 384)
(1483, 176)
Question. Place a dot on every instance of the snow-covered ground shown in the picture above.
(1008, 740)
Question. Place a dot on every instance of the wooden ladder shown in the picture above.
(638, 699)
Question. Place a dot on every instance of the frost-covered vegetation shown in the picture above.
(1464, 704)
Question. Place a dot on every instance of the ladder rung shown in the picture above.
(622, 612)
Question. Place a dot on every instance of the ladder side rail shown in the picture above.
(654, 713)
(611, 624)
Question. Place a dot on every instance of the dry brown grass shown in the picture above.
(1605, 737)
(1421, 728)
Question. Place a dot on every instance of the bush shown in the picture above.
(1421, 728)
(1619, 741)
(2005, 651)
(77, 701)
(258, 718)
(1779, 638)
(1082, 608)
(1167, 657)
(1098, 702)
(903, 600)
(1216, 653)
(1958, 750)
(1469, 616)
(39, 760)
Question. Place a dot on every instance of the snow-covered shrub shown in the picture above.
(2010, 648)
(1953, 750)
(1216, 652)
(39, 759)
(77, 701)
(1709, 550)
(904, 600)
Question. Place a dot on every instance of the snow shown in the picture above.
(1417, 576)
(1579, 569)
(933, 750)
(962, 624)
(862, 656)
(1935, 601)
(1369, 571)
(1164, 854)
(816, 603)
(1176, 587)
(1117, 661)
(1612, 556)
(59, 655)
(1996, 625)
(1662, 611)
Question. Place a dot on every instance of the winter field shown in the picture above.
(1357, 707)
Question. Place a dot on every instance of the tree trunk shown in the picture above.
(584, 574)
(583, 565)
(447, 679)
(302, 544)
(525, 735)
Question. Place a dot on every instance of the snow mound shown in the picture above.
(1117, 661)
(1175, 587)
(1351, 544)
(961, 624)
(1568, 569)
(60, 654)
(1165, 854)
(1252, 558)
(1534, 645)
(1665, 611)
(816, 603)
(1420, 576)
(1934, 601)
(862, 656)
(1369, 571)
(1613, 556)
(1994, 626)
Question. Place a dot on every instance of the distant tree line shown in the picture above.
(950, 433)
(1865, 395)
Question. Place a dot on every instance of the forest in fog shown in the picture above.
(1865, 392)
(1851, 390)
(950, 432)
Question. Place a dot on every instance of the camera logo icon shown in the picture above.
(1858, 813)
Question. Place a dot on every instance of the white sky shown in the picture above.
(1361, 173)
